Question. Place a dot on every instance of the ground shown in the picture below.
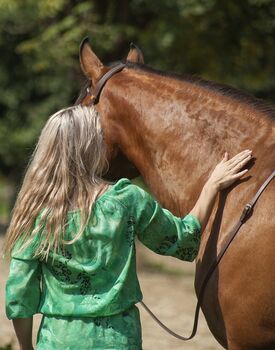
(167, 286)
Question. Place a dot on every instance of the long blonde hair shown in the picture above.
(67, 163)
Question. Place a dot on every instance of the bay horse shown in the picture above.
(173, 130)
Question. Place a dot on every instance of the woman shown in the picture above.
(71, 239)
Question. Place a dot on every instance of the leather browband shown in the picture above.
(94, 96)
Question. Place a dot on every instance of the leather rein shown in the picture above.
(247, 212)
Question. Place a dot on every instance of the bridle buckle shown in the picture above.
(247, 210)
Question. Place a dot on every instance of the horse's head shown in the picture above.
(94, 69)
(107, 105)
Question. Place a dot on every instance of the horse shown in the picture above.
(173, 130)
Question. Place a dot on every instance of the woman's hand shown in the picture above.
(228, 171)
(224, 174)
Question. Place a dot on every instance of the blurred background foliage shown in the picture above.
(228, 41)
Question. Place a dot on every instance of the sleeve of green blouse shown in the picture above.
(23, 288)
(162, 232)
(23, 284)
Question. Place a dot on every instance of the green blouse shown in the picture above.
(96, 276)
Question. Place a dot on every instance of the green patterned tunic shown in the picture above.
(88, 292)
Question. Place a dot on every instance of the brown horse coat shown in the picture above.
(175, 130)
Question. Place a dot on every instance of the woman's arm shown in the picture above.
(224, 174)
(23, 297)
(23, 330)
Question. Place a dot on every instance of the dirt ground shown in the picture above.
(167, 286)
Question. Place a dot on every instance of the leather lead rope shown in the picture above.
(247, 211)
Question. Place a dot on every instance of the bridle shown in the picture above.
(95, 94)
(247, 212)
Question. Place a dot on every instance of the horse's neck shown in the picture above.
(180, 132)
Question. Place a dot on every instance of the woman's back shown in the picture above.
(95, 277)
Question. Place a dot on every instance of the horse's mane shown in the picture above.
(223, 89)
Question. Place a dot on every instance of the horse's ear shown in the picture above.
(91, 65)
(135, 55)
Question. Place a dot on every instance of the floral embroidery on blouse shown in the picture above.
(64, 274)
